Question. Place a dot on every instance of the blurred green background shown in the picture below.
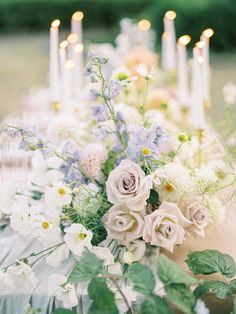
(24, 37)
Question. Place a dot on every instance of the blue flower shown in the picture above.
(113, 89)
(93, 94)
(100, 113)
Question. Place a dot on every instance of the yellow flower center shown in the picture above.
(61, 191)
(146, 151)
(169, 187)
(45, 225)
(82, 236)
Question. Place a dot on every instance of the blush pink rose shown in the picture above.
(127, 185)
(165, 226)
(123, 225)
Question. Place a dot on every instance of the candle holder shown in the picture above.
(200, 136)
(55, 106)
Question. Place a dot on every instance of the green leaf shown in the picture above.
(154, 305)
(63, 311)
(232, 285)
(181, 297)
(219, 288)
(103, 299)
(36, 195)
(170, 273)
(88, 267)
(153, 198)
(142, 278)
(211, 261)
(234, 308)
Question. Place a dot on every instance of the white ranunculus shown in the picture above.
(77, 238)
(57, 196)
(6, 283)
(165, 226)
(127, 185)
(63, 291)
(135, 251)
(123, 225)
(22, 276)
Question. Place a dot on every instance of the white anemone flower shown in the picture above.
(172, 181)
(7, 193)
(57, 196)
(142, 70)
(63, 291)
(77, 238)
(20, 219)
(23, 277)
(44, 227)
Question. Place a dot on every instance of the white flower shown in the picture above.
(135, 251)
(104, 254)
(77, 238)
(142, 70)
(57, 196)
(172, 182)
(5, 281)
(223, 171)
(123, 74)
(206, 180)
(154, 117)
(217, 209)
(127, 185)
(44, 227)
(20, 219)
(200, 307)
(64, 127)
(7, 193)
(63, 291)
(22, 276)
(130, 115)
(229, 93)
(93, 156)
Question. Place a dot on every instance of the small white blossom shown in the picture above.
(135, 252)
(6, 283)
(63, 291)
(57, 196)
(77, 238)
(20, 219)
(200, 307)
(23, 277)
(142, 70)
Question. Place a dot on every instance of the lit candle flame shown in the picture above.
(56, 23)
(170, 15)
(79, 48)
(69, 64)
(64, 44)
(200, 44)
(78, 16)
(72, 38)
(184, 40)
(144, 25)
(208, 33)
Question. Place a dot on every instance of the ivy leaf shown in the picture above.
(88, 267)
(211, 261)
(103, 299)
(181, 297)
(142, 278)
(153, 198)
(63, 311)
(219, 288)
(232, 285)
(171, 273)
(155, 305)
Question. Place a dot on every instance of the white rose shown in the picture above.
(164, 227)
(135, 252)
(123, 225)
(127, 185)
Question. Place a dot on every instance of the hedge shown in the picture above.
(193, 16)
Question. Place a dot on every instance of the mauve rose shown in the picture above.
(165, 226)
(128, 185)
(199, 215)
(123, 225)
